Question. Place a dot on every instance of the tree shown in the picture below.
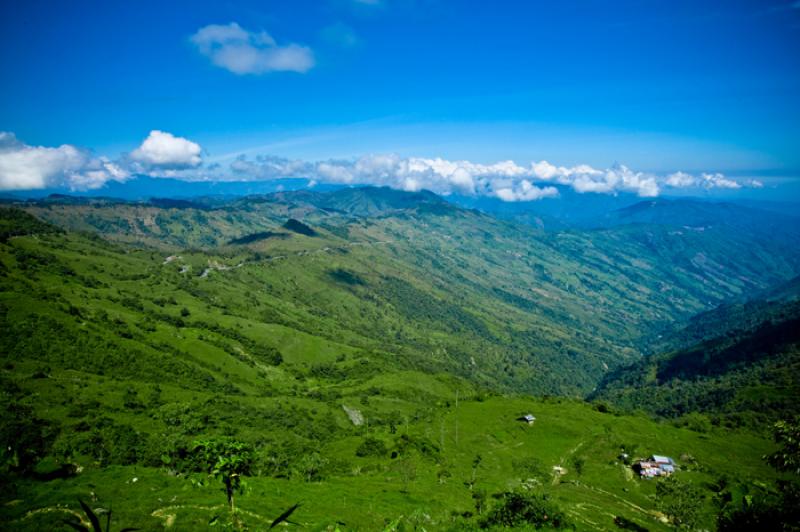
(518, 509)
(24, 438)
(227, 461)
(680, 501)
(770, 508)
(787, 435)
(476, 462)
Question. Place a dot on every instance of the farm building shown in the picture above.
(528, 418)
(655, 466)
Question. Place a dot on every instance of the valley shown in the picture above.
(132, 331)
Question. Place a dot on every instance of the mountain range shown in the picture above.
(366, 335)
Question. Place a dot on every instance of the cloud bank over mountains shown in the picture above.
(162, 154)
(505, 180)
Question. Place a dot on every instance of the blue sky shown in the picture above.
(661, 87)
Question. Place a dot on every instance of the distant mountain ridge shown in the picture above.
(569, 209)
(695, 213)
(142, 188)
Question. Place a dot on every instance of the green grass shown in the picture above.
(372, 491)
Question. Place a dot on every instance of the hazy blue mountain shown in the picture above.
(143, 187)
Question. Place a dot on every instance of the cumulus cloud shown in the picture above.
(24, 167)
(164, 150)
(243, 52)
(681, 180)
(525, 191)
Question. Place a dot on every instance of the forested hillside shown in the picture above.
(545, 312)
(739, 364)
(332, 342)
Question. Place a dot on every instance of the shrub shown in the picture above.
(371, 447)
(515, 509)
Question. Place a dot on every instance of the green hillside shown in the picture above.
(740, 364)
(546, 312)
(371, 351)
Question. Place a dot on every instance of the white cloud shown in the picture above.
(707, 181)
(681, 180)
(243, 52)
(505, 179)
(502, 179)
(164, 150)
(544, 170)
(165, 155)
(96, 173)
(584, 178)
(718, 181)
(24, 167)
(525, 191)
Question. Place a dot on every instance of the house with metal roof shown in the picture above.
(655, 466)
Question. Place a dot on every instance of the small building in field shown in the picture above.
(655, 466)
(527, 418)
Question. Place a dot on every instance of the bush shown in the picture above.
(371, 447)
(516, 509)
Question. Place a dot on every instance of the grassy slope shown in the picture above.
(91, 327)
(372, 491)
(426, 278)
